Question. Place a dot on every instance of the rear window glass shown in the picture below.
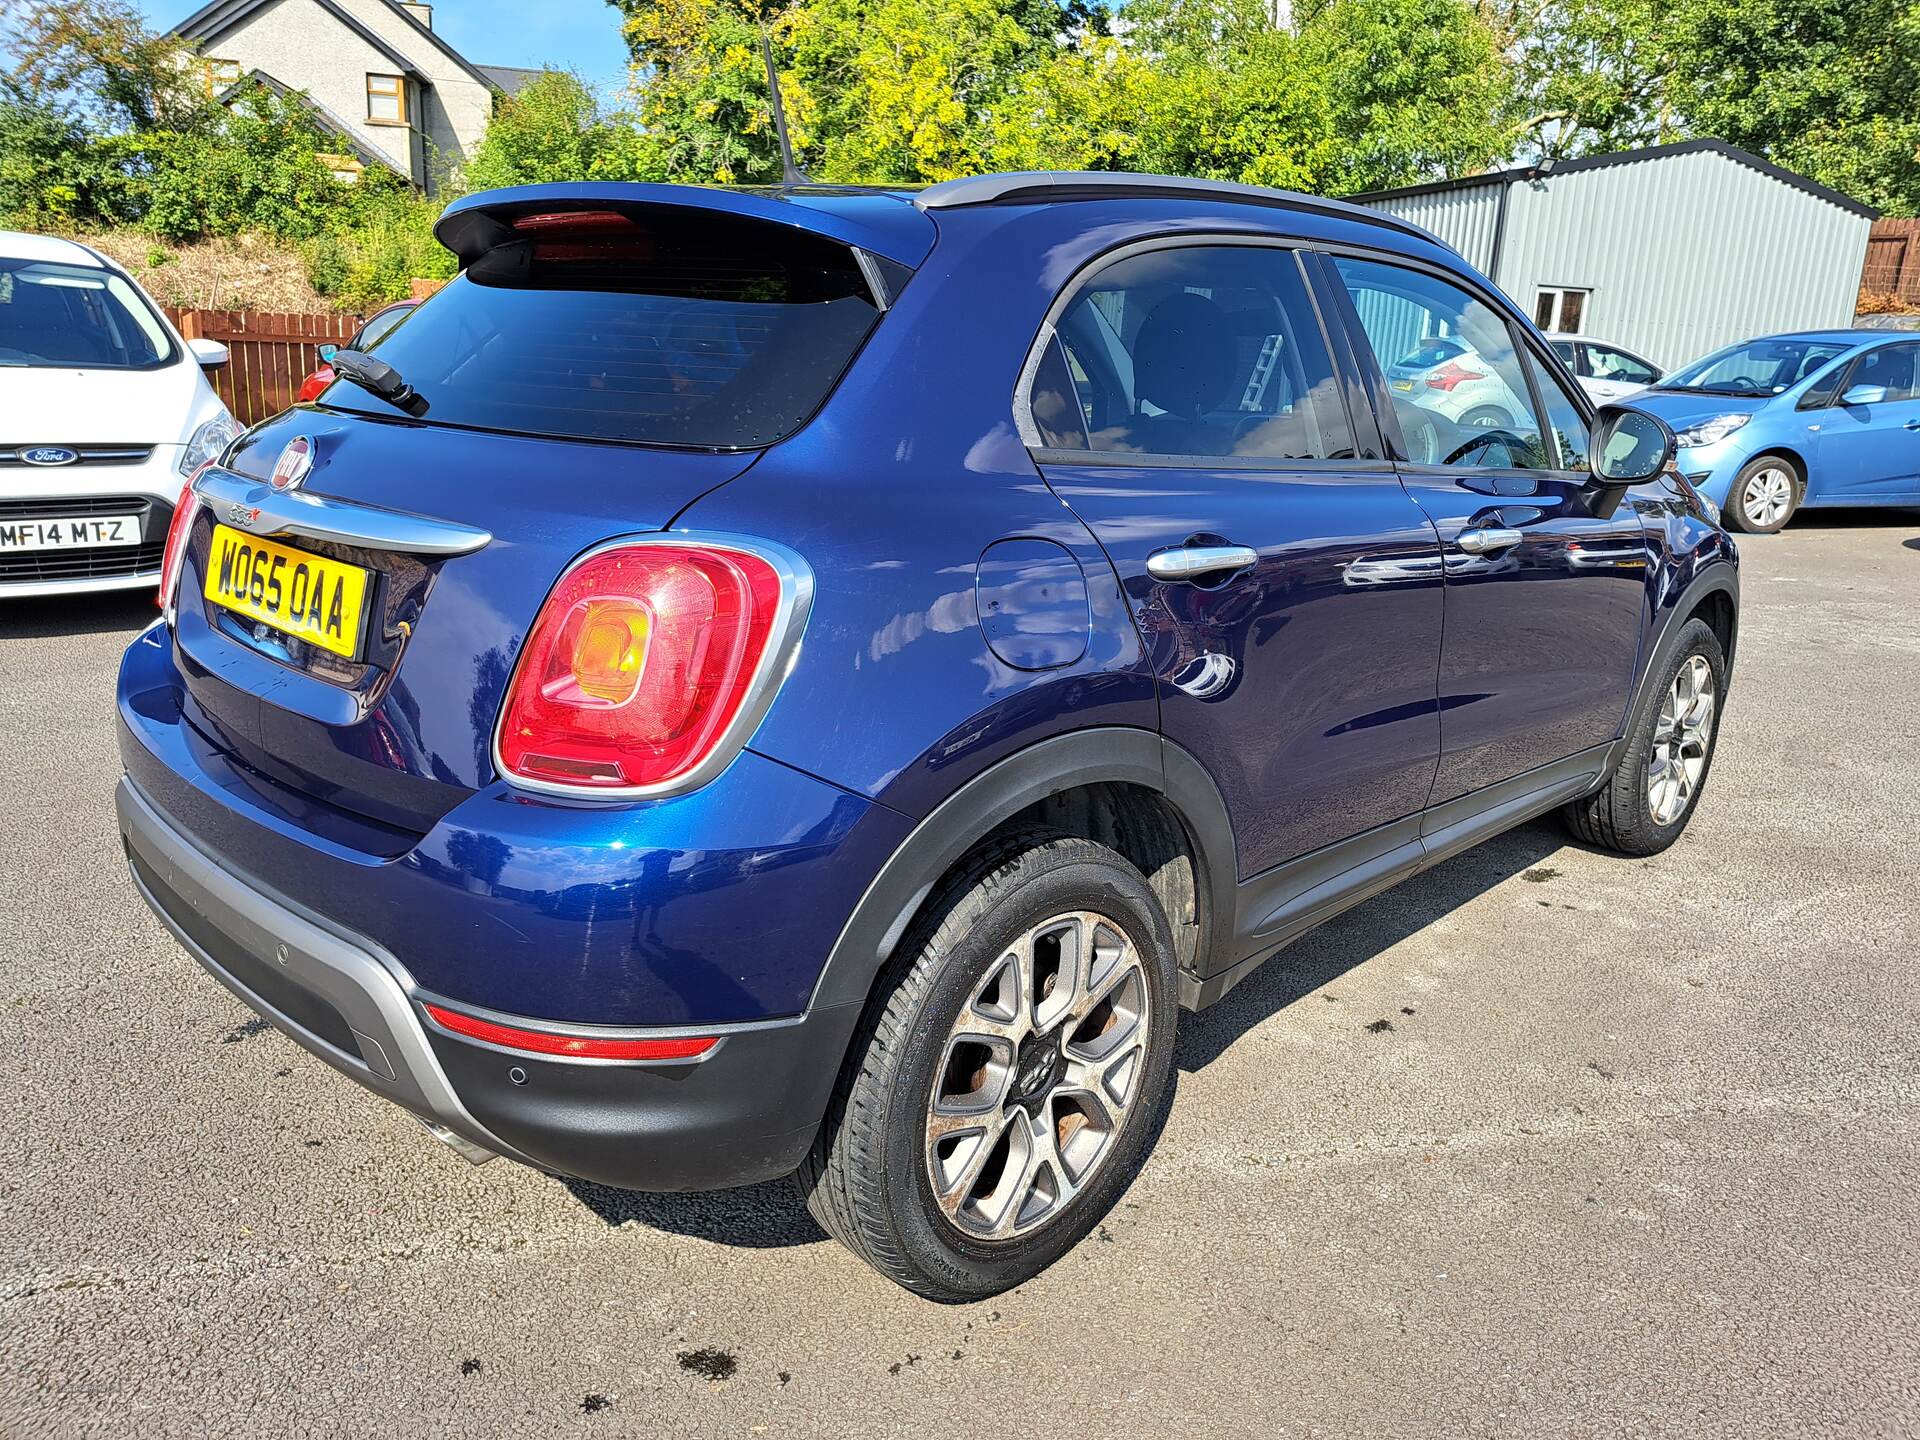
(694, 330)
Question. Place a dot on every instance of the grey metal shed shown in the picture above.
(1672, 251)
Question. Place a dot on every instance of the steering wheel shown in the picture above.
(1420, 432)
(1745, 382)
(1492, 434)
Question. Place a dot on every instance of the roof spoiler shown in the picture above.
(477, 223)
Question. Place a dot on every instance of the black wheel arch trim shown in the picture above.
(1114, 754)
(1720, 577)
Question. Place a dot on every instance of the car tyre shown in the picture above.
(1763, 496)
(965, 1149)
(1653, 791)
(1486, 417)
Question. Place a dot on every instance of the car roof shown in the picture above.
(1849, 337)
(19, 245)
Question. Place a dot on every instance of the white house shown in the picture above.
(373, 71)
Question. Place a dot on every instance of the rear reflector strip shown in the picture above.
(573, 1047)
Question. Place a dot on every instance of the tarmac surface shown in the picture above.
(1541, 1143)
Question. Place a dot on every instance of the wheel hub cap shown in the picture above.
(1040, 1070)
(1681, 736)
(1767, 496)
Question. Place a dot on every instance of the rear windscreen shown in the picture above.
(661, 327)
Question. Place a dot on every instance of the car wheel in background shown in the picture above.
(1011, 1073)
(1648, 799)
(1764, 495)
(1486, 417)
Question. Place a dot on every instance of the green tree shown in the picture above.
(95, 61)
(703, 91)
(556, 129)
(904, 90)
(1417, 88)
(1824, 87)
(1365, 93)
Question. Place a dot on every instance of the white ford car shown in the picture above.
(104, 413)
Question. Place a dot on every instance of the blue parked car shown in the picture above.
(815, 680)
(1772, 426)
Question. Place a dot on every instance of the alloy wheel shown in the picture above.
(1680, 738)
(1766, 497)
(1039, 1073)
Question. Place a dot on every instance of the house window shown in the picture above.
(220, 74)
(387, 99)
(1558, 308)
(344, 168)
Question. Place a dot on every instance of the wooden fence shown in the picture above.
(271, 353)
(1893, 261)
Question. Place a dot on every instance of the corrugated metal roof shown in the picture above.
(1677, 257)
(1631, 157)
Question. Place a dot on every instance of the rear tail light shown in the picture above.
(573, 1047)
(1450, 375)
(171, 558)
(649, 665)
(311, 387)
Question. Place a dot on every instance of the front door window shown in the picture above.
(1458, 389)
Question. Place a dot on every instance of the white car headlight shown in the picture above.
(1710, 432)
(208, 441)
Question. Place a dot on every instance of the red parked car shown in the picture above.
(365, 338)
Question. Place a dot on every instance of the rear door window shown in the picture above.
(659, 327)
(1196, 351)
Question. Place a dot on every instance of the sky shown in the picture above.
(578, 35)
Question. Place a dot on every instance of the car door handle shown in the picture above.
(1485, 542)
(1911, 425)
(1197, 562)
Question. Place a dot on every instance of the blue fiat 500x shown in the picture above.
(814, 681)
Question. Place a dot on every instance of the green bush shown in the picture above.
(555, 129)
(375, 254)
(52, 173)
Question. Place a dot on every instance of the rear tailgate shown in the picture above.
(401, 732)
(601, 364)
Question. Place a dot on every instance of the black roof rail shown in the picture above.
(1034, 187)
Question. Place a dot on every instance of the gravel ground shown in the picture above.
(1635, 1150)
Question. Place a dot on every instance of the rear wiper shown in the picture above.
(376, 377)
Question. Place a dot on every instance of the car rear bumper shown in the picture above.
(746, 1111)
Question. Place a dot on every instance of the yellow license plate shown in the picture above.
(295, 591)
(1403, 385)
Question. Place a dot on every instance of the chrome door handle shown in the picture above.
(1196, 562)
(1485, 542)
